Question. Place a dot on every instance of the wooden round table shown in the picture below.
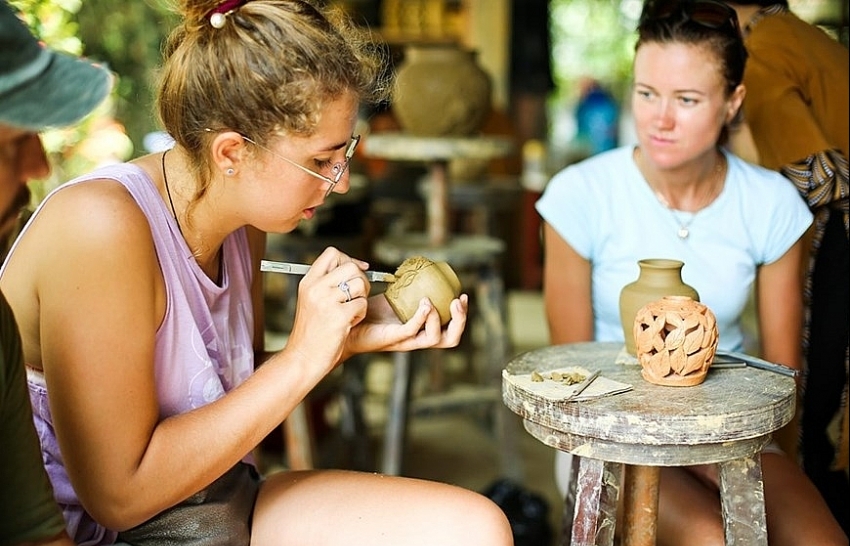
(727, 420)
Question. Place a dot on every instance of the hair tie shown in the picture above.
(219, 15)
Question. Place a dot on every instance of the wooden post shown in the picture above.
(640, 507)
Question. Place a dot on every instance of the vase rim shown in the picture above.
(438, 50)
(661, 263)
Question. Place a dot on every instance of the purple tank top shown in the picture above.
(204, 346)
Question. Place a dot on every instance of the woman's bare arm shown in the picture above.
(566, 290)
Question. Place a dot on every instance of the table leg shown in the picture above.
(437, 206)
(640, 506)
(597, 493)
(490, 297)
(569, 503)
(397, 418)
(742, 502)
(352, 423)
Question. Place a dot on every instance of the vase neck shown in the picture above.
(655, 275)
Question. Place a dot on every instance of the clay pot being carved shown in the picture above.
(441, 91)
(676, 339)
(419, 277)
(657, 278)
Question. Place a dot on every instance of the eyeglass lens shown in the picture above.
(339, 169)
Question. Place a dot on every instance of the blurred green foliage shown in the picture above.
(591, 40)
(595, 39)
(128, 36)
(53, 22)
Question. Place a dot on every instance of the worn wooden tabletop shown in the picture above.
(730, 415)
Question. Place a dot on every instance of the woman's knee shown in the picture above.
(688, 510)
(490, 521)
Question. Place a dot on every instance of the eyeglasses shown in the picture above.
(708, 13)
(336, 171)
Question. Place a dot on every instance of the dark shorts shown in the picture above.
(219, 515)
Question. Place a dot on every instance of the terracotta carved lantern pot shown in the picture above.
(420, 277)
(676, 339)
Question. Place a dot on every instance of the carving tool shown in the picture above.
(302, 269)
(583, 385)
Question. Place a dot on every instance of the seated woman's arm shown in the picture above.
(566, 290)
(780, 308)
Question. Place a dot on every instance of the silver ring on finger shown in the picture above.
(345, 290)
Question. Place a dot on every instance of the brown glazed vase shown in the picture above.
(676, 339)
(440, 90)
(420, 277)
(657, 278)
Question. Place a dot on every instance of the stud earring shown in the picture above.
(230, 172)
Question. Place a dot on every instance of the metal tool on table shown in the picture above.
(723, 360)
(302, 269)
(583, 385)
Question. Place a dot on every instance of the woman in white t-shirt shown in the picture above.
(677, 194)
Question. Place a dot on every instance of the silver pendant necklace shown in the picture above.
(684, 230)
(684, 227)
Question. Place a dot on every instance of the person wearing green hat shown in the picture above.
(39, 88)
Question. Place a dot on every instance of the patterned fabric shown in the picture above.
(762, 13)
(822, 180)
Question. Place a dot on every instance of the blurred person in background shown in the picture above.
(796, 114)
(597, 118)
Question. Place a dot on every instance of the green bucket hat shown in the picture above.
(41, 88)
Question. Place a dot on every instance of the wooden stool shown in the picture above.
(476, 253)
(623, 439)
(478, 256)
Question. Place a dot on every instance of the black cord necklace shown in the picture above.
(168, 192)
(217, 279)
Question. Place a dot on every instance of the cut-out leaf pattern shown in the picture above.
(675, 338)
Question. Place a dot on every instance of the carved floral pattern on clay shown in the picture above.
(418, 277)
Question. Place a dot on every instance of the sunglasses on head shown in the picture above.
(708, 13)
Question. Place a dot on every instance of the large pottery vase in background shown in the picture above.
(676, 339)
(441, 91)
(419, 277)
(657, 278)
